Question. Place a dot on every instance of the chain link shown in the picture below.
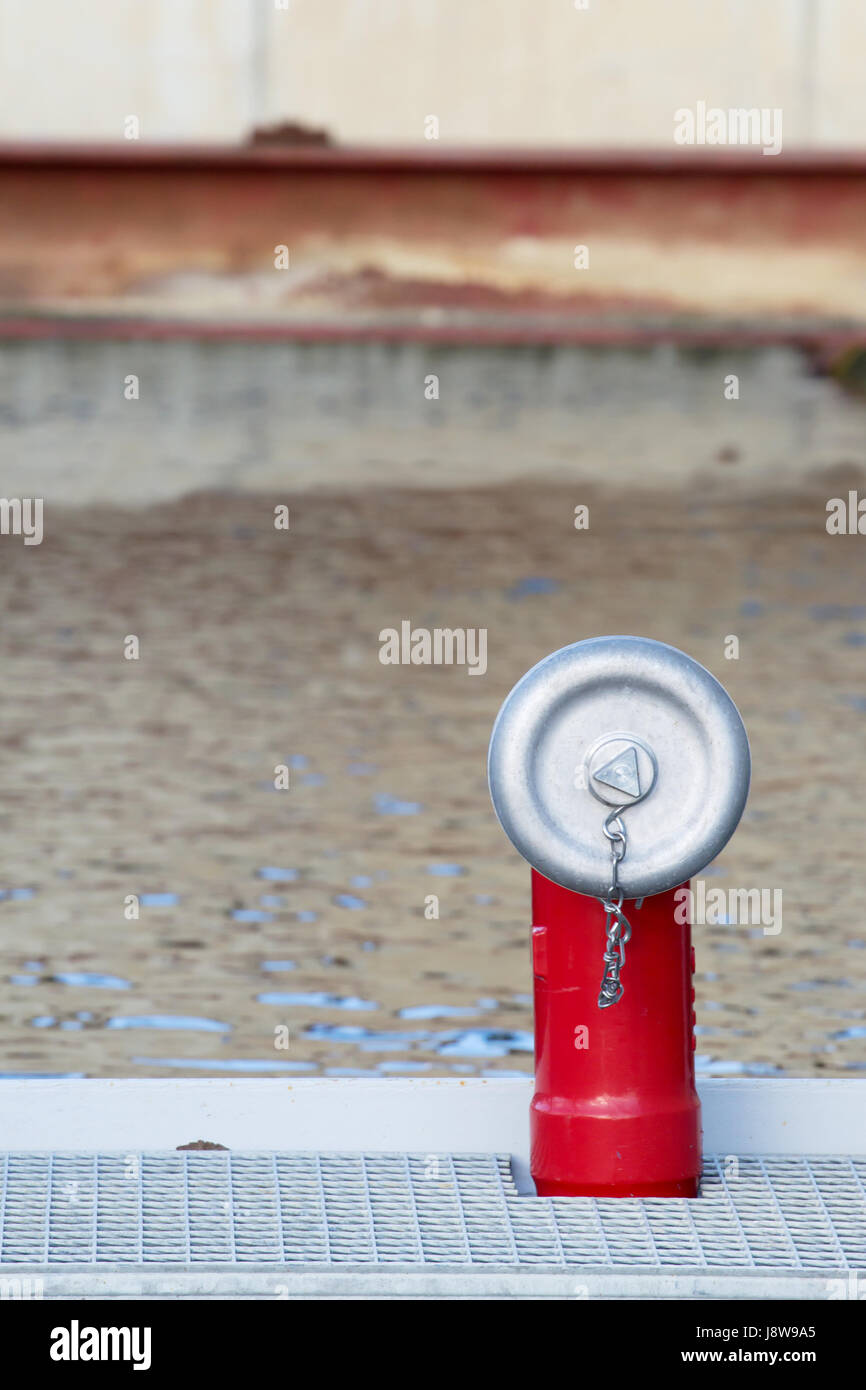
(617, 928)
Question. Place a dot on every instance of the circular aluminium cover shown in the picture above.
(619, 722)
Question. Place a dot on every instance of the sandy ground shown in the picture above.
(260, 648)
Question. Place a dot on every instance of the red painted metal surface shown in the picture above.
(472, 246)
(615, 1111)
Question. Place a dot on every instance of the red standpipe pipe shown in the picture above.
(615, 1111)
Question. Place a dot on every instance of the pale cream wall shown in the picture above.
(75, 69)
(539, 72)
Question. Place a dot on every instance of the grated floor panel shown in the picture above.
(378, 1211)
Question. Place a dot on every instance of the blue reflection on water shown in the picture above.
(91, 979)
(397, 1067)
(803, 985)
(473, 1042)
(428, 1012)
(319, 1000)
(714, 1066)
(42, 1075)
(170, 1022)
(532, 584)
(245, 1064)
(487, 1042)
(388, 805)
(830, 612)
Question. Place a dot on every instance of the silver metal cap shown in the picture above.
(619, 721)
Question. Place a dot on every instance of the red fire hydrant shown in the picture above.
(615, 1111)
(618, 767)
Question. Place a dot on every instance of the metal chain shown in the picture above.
(617, 927)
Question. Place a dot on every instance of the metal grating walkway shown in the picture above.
(284, 1224)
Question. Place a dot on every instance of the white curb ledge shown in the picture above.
(117, 1281)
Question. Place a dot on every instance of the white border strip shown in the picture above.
(481, 1281)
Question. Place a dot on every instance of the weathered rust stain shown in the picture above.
(196, 240)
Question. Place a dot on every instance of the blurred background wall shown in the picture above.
(372, 71)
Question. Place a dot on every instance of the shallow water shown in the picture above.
(380, 875)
